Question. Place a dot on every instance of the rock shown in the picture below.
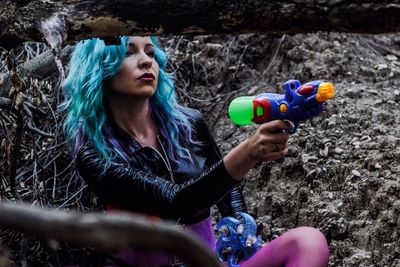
(309, 158)
(396, 95)
(382, 66)
(377, 166)
(325, 151)
(338, 150)
(365, 138)
(356, 173)
(391, 57)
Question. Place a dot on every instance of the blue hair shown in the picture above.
(91, 66)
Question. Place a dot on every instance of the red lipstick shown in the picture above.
(147, 77)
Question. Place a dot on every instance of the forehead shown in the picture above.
(139, 41)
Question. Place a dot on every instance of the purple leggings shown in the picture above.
(299, 247)
(302, 246)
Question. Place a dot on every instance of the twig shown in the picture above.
(71, 197)
(36, 130)
(239, 61)
(247, 86)
(15, 152)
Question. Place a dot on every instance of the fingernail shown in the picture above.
(290, 123)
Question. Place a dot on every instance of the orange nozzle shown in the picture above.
(325, 91)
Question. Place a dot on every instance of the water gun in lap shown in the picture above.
(237, 239)
(299, 103)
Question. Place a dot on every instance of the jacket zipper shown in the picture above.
(166, 161)
(166, 157)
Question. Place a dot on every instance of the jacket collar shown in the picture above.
(116, 134)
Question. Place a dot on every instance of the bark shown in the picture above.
(21, 19)
(109, 232)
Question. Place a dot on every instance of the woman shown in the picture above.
(139, 150)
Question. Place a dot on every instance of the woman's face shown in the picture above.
(139, 71)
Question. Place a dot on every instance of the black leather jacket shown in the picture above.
(145, 180)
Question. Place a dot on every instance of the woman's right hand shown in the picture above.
(266, 144)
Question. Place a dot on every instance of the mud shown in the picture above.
(342, 172)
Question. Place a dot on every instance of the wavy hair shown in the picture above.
(91, 65)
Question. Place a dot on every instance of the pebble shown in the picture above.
(357, 143)
(396, 63)
(391, 57)
(356, 173)
(381, 66)
(396, 95)
(326, 140)
(324, 152)
(338, 150)
(378, 166)
(354, 139)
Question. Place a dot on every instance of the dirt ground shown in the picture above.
(342, 172)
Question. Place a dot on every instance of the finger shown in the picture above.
(279, 138)
(271, 147)
(274, 138)
(275, 125)
(276, 155)
(290, 123)
(280, 146)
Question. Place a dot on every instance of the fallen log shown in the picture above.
(79, 19)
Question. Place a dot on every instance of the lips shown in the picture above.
(147, 77)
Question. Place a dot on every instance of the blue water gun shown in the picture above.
(237, 239)
(299, 103)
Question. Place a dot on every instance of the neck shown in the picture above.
(133, 115)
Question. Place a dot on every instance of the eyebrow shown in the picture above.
(132, 44)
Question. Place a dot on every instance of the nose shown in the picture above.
(145, 61)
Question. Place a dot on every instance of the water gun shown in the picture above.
(237, 239)
(299, 103)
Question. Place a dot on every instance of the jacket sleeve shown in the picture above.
(130, 188)
(232, 202)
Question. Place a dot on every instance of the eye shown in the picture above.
(129, 53)
(151, 52)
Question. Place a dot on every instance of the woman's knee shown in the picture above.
(309, 240)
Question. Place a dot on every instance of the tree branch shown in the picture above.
(109, 232)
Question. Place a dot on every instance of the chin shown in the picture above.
(143, 92)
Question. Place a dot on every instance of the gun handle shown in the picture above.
(292, 131)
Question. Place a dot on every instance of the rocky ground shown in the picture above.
(342, 171)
